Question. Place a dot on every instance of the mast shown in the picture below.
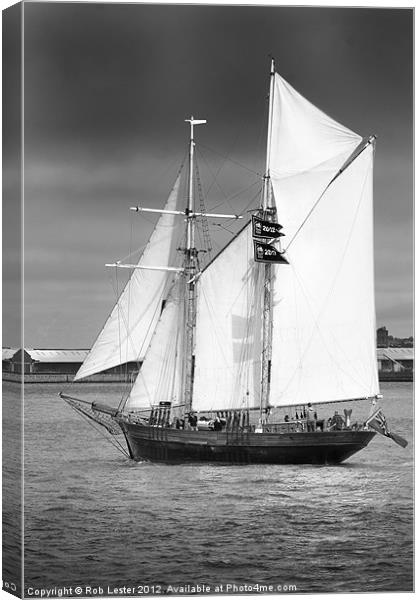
(269, 214)
(190, 271)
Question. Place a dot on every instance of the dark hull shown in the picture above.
(178, 446)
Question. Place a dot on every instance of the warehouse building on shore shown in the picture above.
(395, 364)
(47, 365)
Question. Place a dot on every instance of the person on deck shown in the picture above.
(192, 421)
(310, 418)
(337, 422)
(217, 424)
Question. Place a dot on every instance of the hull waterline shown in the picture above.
(178, 446)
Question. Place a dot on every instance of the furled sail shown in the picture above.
(128, 330)
(228, 331)
(323, 315)
(161, 374)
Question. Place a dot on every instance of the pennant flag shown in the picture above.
(377, 421)
(265, 229)
(267, 253)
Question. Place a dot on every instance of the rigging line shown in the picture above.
(176, 357)
(339, 172)
(327, 297)
(231, 197)
(204, 219)
(120, 312)
(170, 367)
(150, 220)
(158, 307)
(356, 372)
(212, 318)
(216, 182)
(259, 193)
(236, 195)
(88, 420)
(231, 160)
(211, 314)
(165, 289)
(248, 310)
(250, 340)
(172, 230)
(161, 379)
(215, 175)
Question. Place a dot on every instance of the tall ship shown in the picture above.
(241, 351)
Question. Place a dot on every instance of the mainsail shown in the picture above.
(323, 314)
(323, 346)
(128, 330)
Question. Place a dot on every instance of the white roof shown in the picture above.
(396, 353)
(57, 356)
(8, 353)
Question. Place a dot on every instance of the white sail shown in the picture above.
(128, 330)
(228, 331)
(160, 376)
(324, 316)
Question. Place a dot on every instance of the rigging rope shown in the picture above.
(203, 219)
(339, 172)
(91, 421)
(231, 160)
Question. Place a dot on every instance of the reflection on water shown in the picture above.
(93, 517)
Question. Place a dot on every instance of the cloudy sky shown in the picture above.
(107, 89)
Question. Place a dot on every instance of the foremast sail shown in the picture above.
(161, 374)
(167, 374)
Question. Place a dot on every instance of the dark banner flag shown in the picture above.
(265, 229)
(267, 253)
(377, 421)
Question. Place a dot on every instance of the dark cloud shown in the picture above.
(107, 88)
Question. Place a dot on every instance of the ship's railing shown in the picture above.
(292, 426)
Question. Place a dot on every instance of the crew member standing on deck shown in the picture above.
(192, 421)
(310, 417)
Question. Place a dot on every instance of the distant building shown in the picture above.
(58, 365)
(394, 342)
(384, 340)
(382, 337)
(395, 364)
(7, 355)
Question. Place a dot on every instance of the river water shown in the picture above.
(93, 518)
